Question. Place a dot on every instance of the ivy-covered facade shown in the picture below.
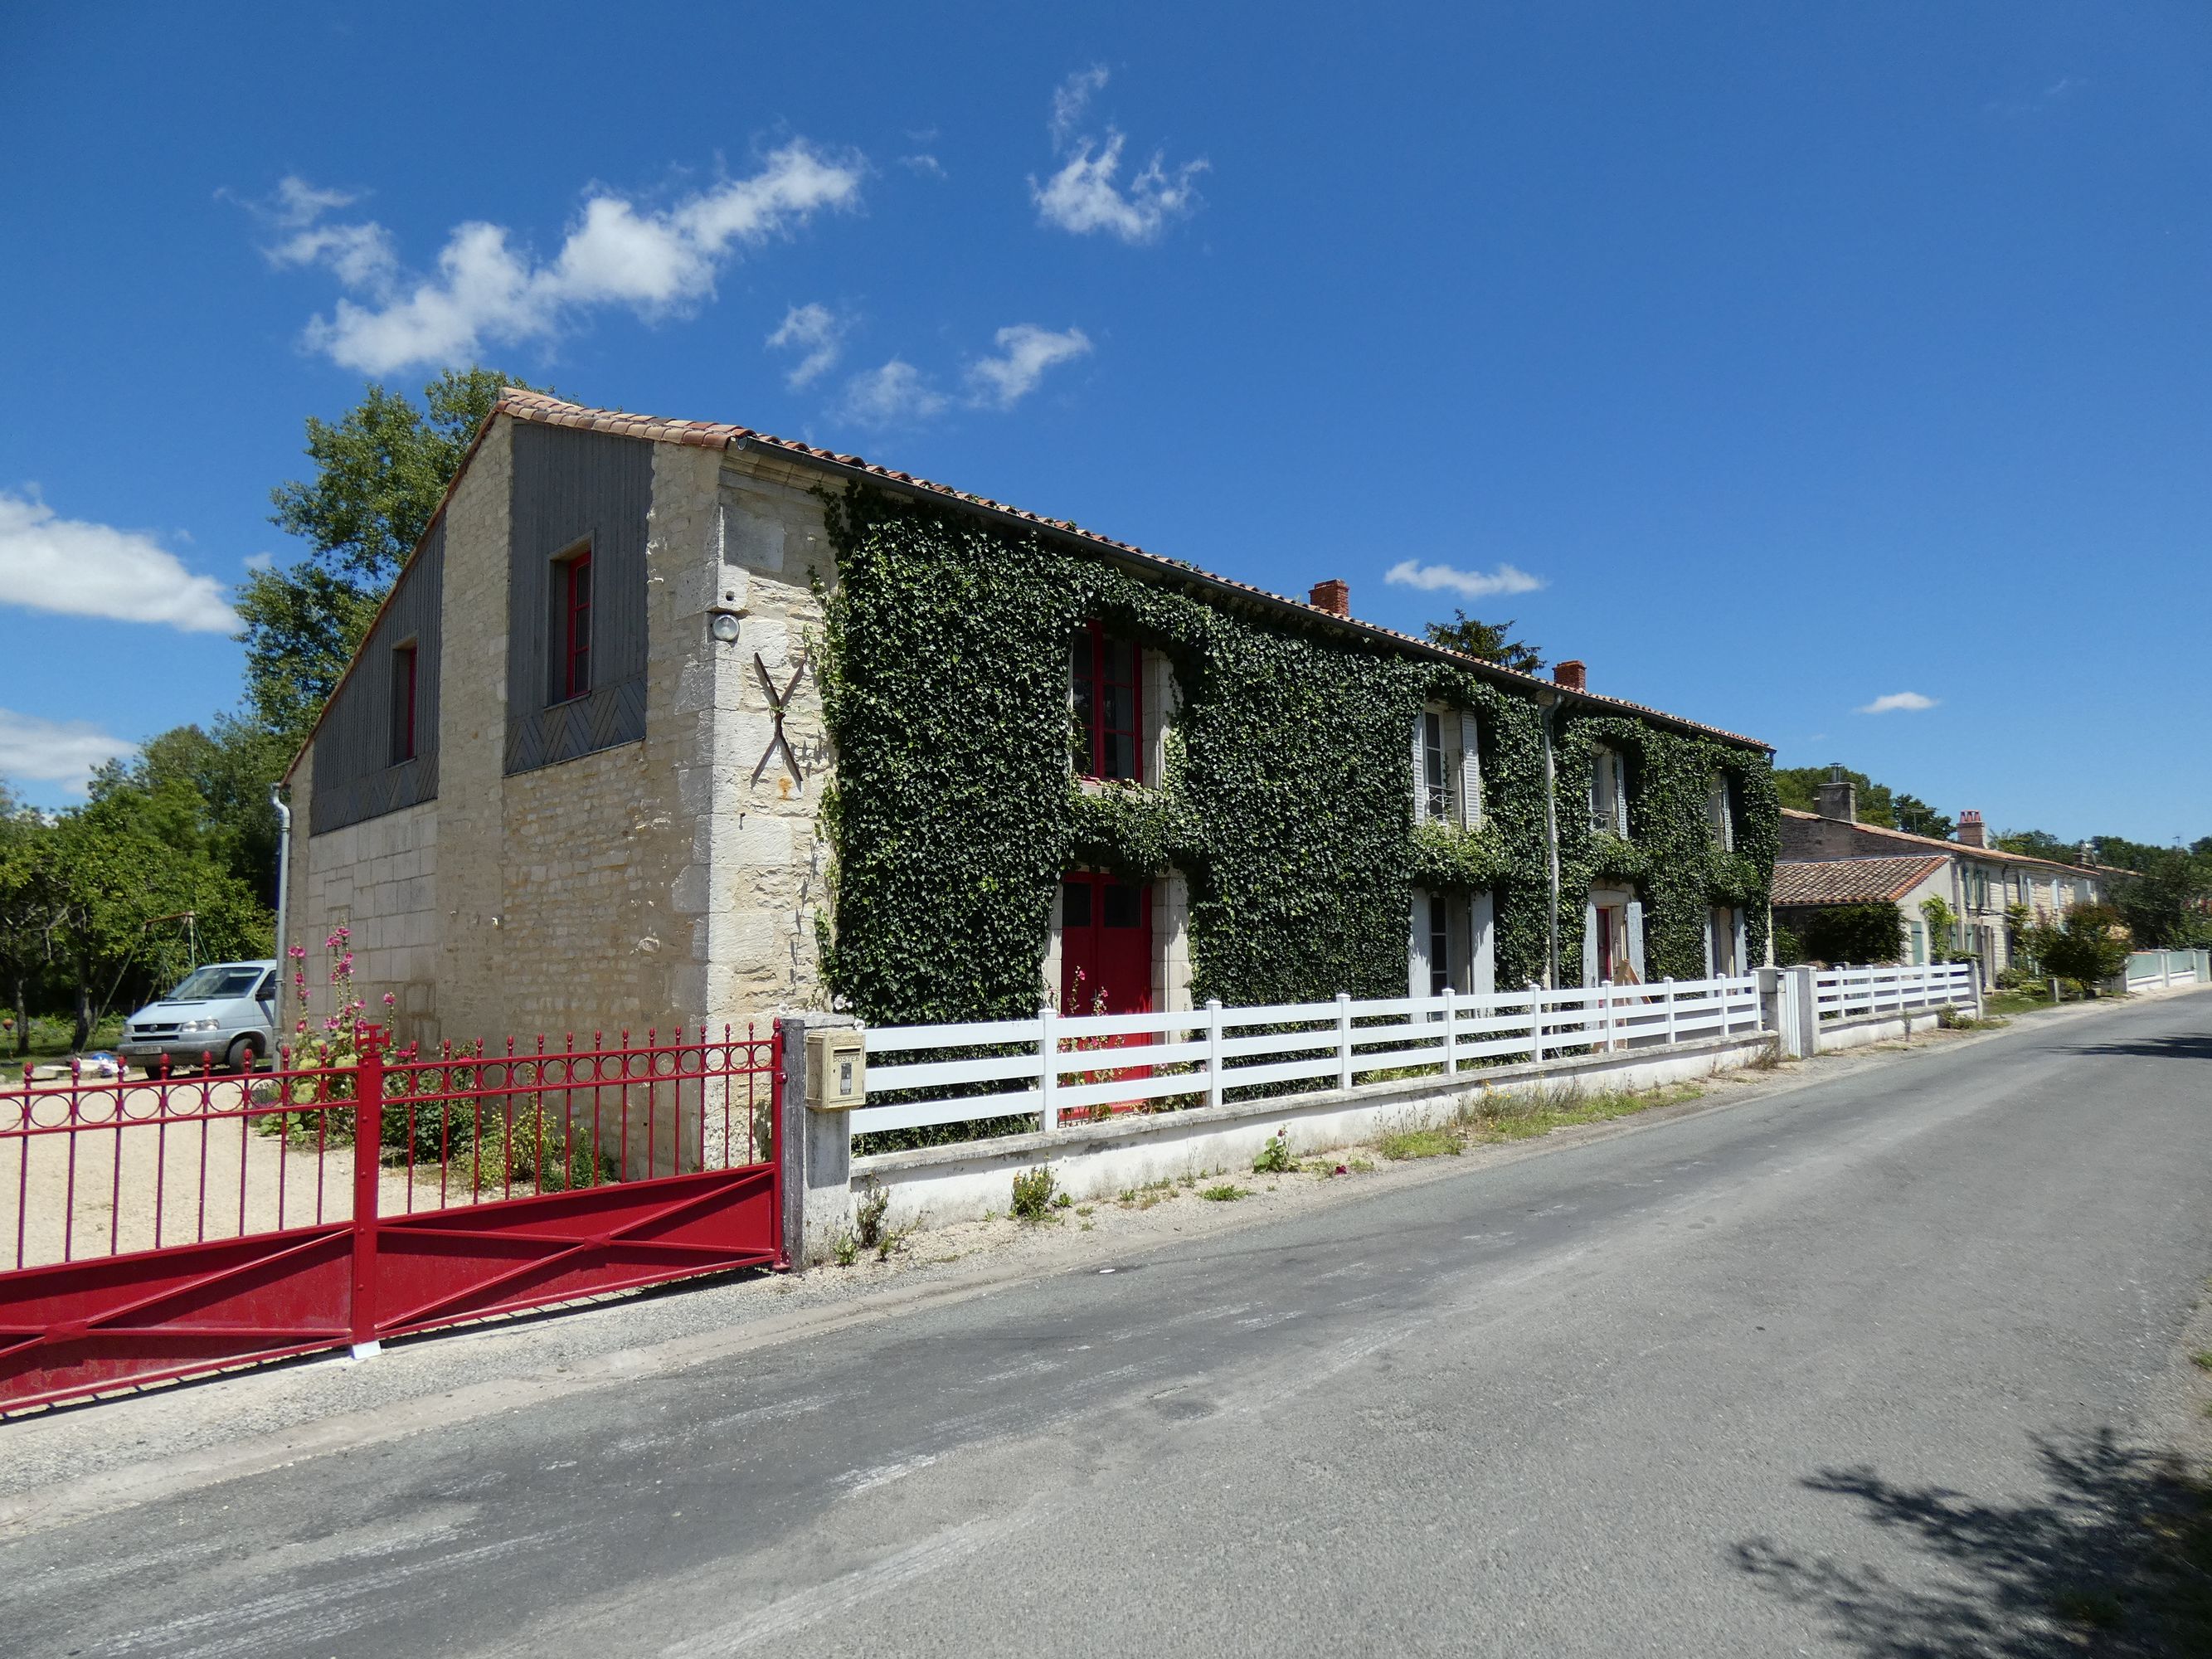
(1285, 799)
(865, 742)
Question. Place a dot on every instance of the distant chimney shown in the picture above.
(1839, 797)
(1970, 829)
(1574, 674)
(1332, 596)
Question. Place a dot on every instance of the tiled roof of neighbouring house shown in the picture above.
(1955, 848)
(536, 406)
(1850, 881)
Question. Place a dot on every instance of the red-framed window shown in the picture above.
(402, 704)
(573, 636)
(1106, 673)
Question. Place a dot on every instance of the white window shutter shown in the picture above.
(1620, 795)
(1589, 943)
(1420, 772)
(1712, 923)
(1470, 773)
(1743, 964)
(1482, 977)
(1417, 947)
(1636, 936)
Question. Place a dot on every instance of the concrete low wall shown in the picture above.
(933, 1186)
(1862, 1030)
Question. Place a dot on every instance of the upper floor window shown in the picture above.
(1106, 677)
(1447, 768)
(1608, 791)
(403, 702)
(1720, 813)
(572, 626)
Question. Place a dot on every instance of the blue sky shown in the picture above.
(1789, 357)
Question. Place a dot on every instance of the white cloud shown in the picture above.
(1025, 352)
(927, 166)
(1083, 196)
(261, 561)
(487, 291)
(893, 395)
(1897, 702)
(1472, 584)
(74, 568)
(812, 328)
(63, 752)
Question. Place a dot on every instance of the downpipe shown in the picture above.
(284, 892)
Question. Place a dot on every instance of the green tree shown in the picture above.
(2165, 903)
(1799, 788)
(2090, 947)
(380, 473)
(2038, 844)
(1916, 818)
(1491, 641)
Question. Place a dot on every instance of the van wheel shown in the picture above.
(245, 1054)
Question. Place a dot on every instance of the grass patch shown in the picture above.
(1224, 1193)
(2202, 1361)
(1403, 1143)
(1526, 1113)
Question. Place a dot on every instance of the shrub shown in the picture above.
(2092, 947)
(1275, 1157)
(1852, 932)
(1033, 1193)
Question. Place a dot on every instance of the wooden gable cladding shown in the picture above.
(573, 490)
(357, 773)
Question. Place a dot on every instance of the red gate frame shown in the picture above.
(73, 1329)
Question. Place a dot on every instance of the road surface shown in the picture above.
(1692, 1390)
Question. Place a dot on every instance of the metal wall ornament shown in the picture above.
(779, 704)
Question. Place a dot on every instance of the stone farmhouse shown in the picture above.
(1829, 857)
(669, 720)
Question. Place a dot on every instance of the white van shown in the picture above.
(225, 1012)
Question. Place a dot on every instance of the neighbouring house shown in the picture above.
(668, 720)
(1828, 852)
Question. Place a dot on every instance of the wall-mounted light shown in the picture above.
(723, 625)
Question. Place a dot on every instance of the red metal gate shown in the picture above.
(184, 1224)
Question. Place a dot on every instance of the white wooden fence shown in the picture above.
(1847, 992)
(2151, 970)
(1059, 1067)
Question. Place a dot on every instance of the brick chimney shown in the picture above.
(1838, 797)
(1332, 596)
(1970, 828)
(1574, 674)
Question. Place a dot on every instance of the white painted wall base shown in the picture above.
(1862, 1030)
(933, 1185)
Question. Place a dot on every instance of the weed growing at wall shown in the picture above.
(1286, 804)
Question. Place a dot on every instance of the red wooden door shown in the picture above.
(1105, 946)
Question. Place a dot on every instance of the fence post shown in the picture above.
(1604, 1005)
(1670, 1011)
(1535, 1024)
(1213, 1051)
(368, 1149)
(1047, 1071)
(1808, 1011)
(1343, 1039)
(1451, 1034)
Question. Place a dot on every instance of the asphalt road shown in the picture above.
(1698, 1390)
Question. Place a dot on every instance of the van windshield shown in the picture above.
(211, 983)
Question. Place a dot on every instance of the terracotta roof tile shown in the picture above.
(1850, 881)
(1955, 848)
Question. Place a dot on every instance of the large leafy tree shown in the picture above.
(1491, 641)
(380, 472)
(1799, 786)
(1916, 818)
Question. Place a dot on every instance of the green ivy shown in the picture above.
(1285, 803)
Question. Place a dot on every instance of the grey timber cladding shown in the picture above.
(355, 776)
(571, 487)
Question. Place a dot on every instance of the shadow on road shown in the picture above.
(2115, 1560)
(2188, 1046)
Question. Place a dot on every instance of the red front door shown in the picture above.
(1105, 946)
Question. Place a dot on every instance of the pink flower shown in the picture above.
(390, 1000)
(298, 953)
